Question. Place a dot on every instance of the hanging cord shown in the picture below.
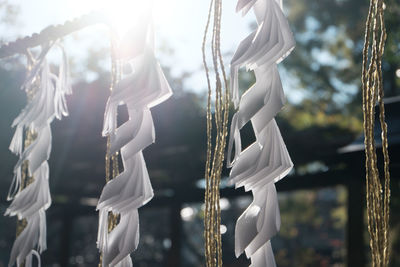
(372, 86)
(29, 137)
(215, 155)
(113, 219)
(111, 162)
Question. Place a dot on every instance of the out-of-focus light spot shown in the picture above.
(243, 202)
(224, 203)
(223, 229)
(398, 73)
(167, 243)
(384, 6)
(148, 239)
(201, 183)
(79, 259)
(88, 201)
(187, 213)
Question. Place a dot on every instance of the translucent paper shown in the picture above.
(267, 160)
(29, 203)
(139, 90)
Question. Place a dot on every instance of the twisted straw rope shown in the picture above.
(215, 156)
(372, 87)
(111, 163)
(30, 137)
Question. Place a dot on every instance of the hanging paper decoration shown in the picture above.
(266, 161)
(32, 143)
(144, 87)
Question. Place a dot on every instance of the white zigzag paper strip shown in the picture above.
(267, 160)
(144, 88)
(30, 203)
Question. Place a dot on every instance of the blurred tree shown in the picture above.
(326, 67)
(327, 58)
(8, 12)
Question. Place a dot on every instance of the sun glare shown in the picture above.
(124, 14)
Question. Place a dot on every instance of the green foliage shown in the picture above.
(312, 232)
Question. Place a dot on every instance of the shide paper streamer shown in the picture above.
(29, 191)
(266, 161)
(144, 87)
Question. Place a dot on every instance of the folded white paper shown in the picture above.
(143, 88)
(122, 240)
(267, 160)
(32, 238)
(263, 256)
(270, 43)
(30, 203)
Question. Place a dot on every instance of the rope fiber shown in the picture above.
(372, 92)
(216, 153)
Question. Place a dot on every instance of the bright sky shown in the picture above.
(180, 24)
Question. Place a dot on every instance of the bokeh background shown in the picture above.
(321, 201)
